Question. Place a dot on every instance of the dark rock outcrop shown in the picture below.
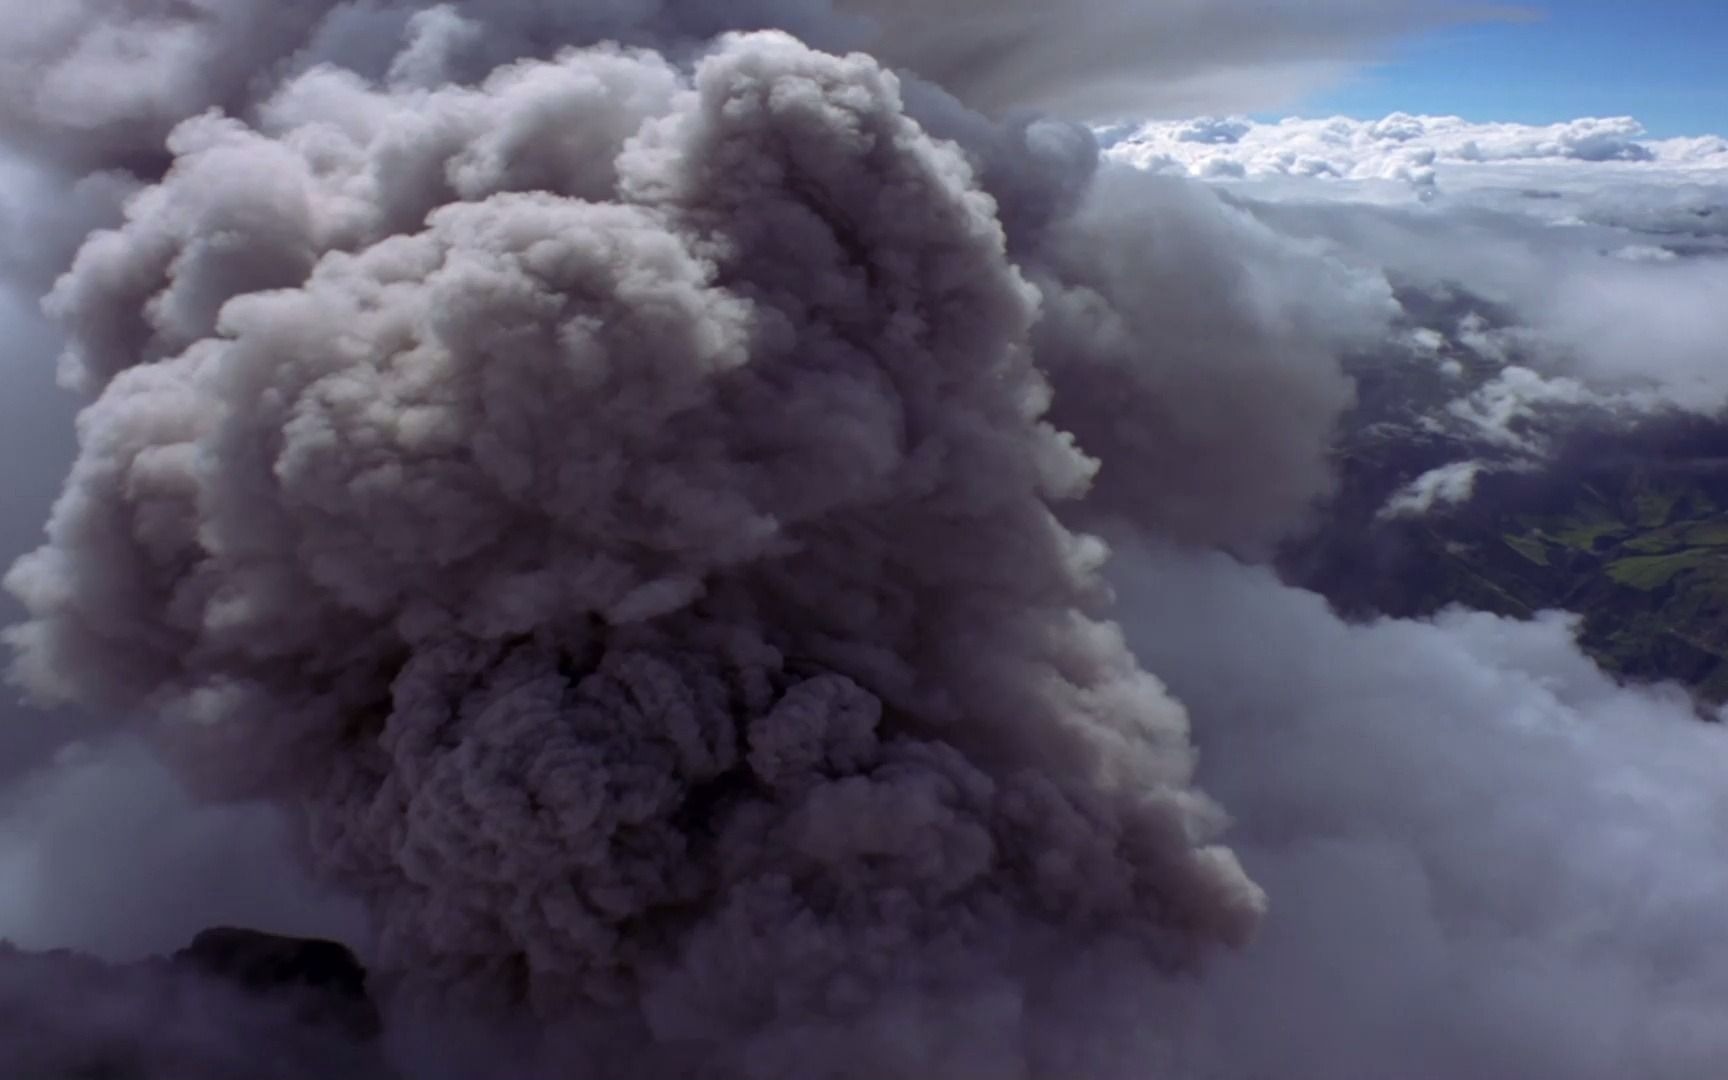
(322, 982)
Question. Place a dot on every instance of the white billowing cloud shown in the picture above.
(1588, 325)
(1629, 320)
(1486, 858)
(1453, 483)
(1607, 273)
(1504, 411)
(1419, 150)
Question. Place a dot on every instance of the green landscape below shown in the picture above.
(1638, 550)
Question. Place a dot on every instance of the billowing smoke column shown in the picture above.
(612, 502)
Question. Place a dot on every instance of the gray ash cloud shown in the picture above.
(625, 489)
(609, 499)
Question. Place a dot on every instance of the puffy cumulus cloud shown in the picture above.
(1550, 300)
(1213, 130)
(1631, 322)
(1519, 409)
(1448, 484)
(1419, 150)
(630, 542)
(1686, 213)
(1485, 857)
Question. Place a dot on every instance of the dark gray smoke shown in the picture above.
(99, 83)
(610, 499)
(1195, 351)
(1110, 59)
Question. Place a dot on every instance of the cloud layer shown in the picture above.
(1418, 150)
(1486, 859)
(1551, 275)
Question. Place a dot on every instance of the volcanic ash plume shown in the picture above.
(614, 506)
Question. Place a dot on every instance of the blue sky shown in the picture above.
(1664, 62)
